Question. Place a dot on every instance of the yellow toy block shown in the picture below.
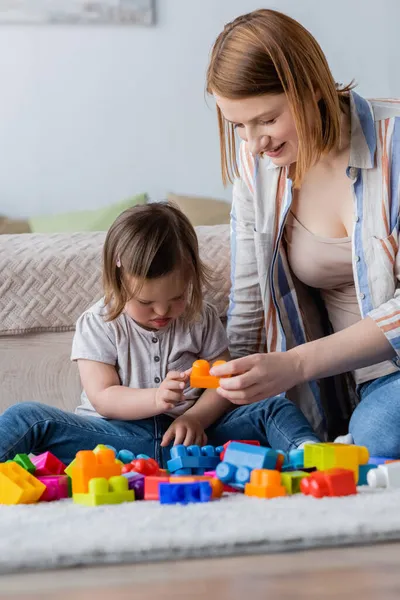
(291, 481)
(265, 483)
(17, 486)
(103, 491)
(329, 456)
(68, 470)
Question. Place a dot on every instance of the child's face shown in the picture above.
(159, 301)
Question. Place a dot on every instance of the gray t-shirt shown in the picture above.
(143, 358)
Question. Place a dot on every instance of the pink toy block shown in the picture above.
(56, 487)
(48, 464)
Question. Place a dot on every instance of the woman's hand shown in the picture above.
(259, 376)
(186, 430)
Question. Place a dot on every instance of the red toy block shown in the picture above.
(57, 487)
(333, 482)
(145, 466)
(151, 491)
(47, 464)
(200, 376)
(89, 465)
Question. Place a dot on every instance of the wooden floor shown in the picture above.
(371, 572)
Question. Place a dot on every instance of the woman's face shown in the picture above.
(266, 123)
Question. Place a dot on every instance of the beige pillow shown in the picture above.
(11, 226)
(202, 211)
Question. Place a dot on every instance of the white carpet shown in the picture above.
(63, 534)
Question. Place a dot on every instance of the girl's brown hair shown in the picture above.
(146, 242)
(267, 52)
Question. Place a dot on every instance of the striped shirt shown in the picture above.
(267, 312)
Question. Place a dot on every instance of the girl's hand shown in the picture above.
(170, 392)
(186, 430)
(259, 376)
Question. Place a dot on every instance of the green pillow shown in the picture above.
(99, 219)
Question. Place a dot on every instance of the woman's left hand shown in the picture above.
(259, 376)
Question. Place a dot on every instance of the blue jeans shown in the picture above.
(32, 427)
(375, 423)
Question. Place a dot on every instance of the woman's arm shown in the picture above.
(262, 376)
(115, 401)
(245, 327)
(361, 345)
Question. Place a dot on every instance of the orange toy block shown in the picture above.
(17, 486)
(200, 376)
(216, 485)
(88, 465)
(265, 483)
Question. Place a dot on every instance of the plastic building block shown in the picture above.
(151, 484)
(385, 476)
(185, 493)
(221, 449)
(378, 460)
(17, 486)
(25, 462)
(103, 491)
(216, 485)
(125, 456)
(200, 376)
(48, 464)
(89, 465)
(294, 460)
(333, 482)
(68, 469)
(57, 487)
(265, 483)
(328, 456)
(136, 483)
(240, 459)
(145, 456)
(291, 481)
(363, 472)
(146, 466)
(192, 460)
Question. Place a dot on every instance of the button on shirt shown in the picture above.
(143, 358)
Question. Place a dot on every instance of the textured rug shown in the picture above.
(62, 534)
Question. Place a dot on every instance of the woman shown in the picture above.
(315, 218)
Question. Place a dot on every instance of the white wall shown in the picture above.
(90, 116)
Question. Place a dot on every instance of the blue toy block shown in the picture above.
(240, 459)
(295, 458)
(185, 493)
(378, 460)
(192, 460)
(125, 456)
(362, 473)
(145, 456)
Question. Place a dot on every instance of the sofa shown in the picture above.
(46, 282)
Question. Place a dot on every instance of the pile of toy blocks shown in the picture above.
(195, 474)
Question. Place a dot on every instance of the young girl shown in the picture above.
(134, 350)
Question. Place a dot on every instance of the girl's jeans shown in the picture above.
(32, 427)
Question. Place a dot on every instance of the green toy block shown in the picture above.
(291, 481)
(25, 462)
(102, 491)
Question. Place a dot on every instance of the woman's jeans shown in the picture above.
(375, 423)
(32, 427)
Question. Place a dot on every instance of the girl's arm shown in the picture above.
(210, 406)
(115, 401)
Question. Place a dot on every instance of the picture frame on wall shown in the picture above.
(79, 12)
